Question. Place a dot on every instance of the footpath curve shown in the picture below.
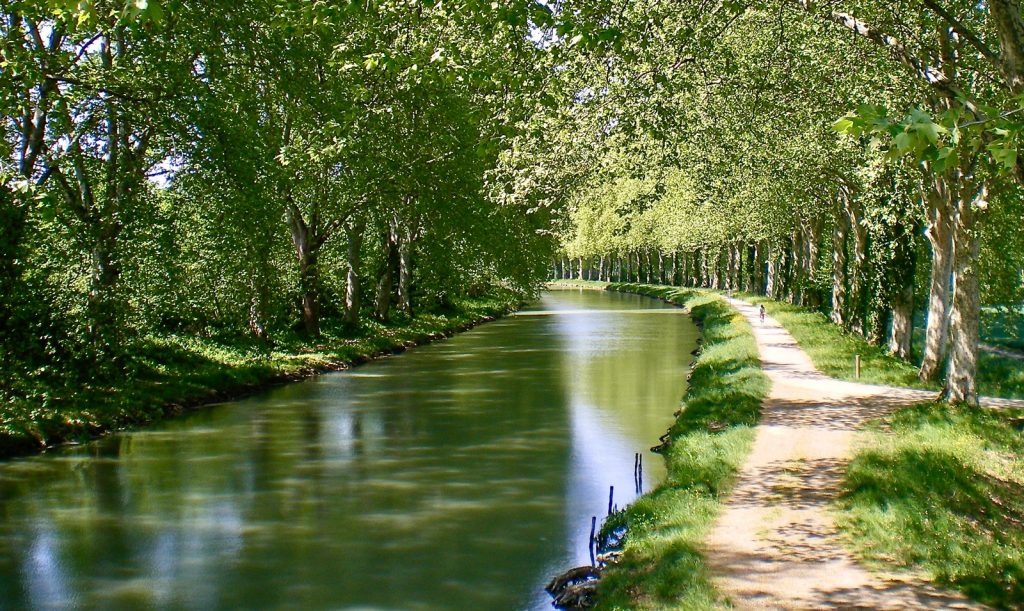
(775, 545)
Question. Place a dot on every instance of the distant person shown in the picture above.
(761, 312)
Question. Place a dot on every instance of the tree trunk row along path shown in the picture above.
(775, 545)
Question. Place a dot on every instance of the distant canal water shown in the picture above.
(460, 475)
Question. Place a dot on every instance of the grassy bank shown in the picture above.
(169, 374)
(932, 488)
(578, 284)
(941, 489)
(662, 564)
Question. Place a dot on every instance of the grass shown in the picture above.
(578, 284)
(1003, 328)
(663, 566)
(941, 488)
(168, 374)
(933, 488)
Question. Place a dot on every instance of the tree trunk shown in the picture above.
(966, 312)
(404, 270)
(796, 264)
(307, 250)
(737, 283)
(1009, 25)
(705, 269)
(812, 294)
(859, 268)
(903, 277)
(309, 288)
(750, 277)
(940, 236)
(352, 282)
(102, 307)
(902, 332)
(772, 281)
(762, 267)
(382, 303)
(840, 263)
(728, 263)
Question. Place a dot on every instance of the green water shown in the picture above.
(459, 475)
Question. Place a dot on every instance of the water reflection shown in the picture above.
(456, 476)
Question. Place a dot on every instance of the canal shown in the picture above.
(459, 475)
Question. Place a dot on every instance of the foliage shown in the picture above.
(194, 170)
(832, 349)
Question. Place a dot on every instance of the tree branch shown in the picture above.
(933, 77)
(963, 31)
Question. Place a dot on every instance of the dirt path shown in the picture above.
(775, 545)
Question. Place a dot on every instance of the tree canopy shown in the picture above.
(252, 170)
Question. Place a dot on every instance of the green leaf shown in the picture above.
(1004, 154)
(844, 125)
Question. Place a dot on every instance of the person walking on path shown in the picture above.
(761, 311)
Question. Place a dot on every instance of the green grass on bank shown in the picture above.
(935, 488)
(663, 565)
(941, 488)
(1003, 327)
(170, 373)
(556, 285)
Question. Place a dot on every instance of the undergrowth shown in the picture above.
(832, 350)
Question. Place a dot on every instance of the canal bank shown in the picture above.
(174, 375)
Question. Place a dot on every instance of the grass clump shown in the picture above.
(1000, 376)
(941, 488)
(663, 565)
(168, 373)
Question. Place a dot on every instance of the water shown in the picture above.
(460, 475)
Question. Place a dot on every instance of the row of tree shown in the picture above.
(200, 168)
(821, 153)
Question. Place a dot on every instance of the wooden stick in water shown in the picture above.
(593, 531)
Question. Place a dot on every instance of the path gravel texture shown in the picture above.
(775, 545)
